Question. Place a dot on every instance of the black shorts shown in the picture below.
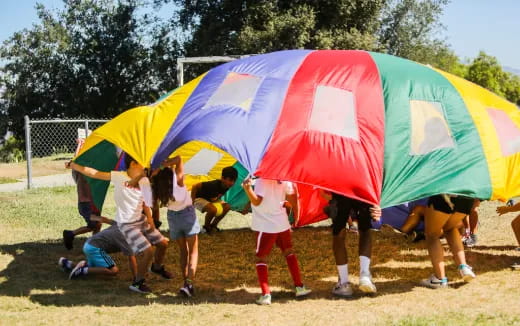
(462, 204)
(85, 210)
(347, 207)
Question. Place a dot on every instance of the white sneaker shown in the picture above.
(366, 285)
(342, 290)
(264, 300)
(434, 283)
(466, 273)
(302, 291)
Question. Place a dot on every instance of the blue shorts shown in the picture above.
(97, 257)
(183, 224)
(85, 210)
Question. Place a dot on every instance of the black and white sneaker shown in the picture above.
(434, 283)
(139, 286)
(187, 290)
(65, 264)
(78, 271)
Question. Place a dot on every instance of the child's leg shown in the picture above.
(145, 261)
(451, 231)
(160, 252)
(433, 222)
(264, 244)
(183, 256)
(411, 223)
(226, 208)
(284, 242)
(103, 271)
(473, 217)
(193, 255)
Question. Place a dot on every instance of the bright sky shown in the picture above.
(471, 25)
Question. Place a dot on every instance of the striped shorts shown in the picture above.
(140, 236)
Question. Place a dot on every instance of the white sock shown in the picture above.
(85, 270)
(343, 273)
(364, 265)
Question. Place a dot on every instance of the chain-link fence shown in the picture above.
(51, 137)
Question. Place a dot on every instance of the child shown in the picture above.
(515, 224)
(138, 230)
(169, 190)
(345, 207)
(206, 198)
(86, 207)
(444, 215)
(271, 223)
(98, 261)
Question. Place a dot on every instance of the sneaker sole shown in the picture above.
(185, 292)
(367, 289)
(302, 294)
(343, 295)
(133, 288)
(81, 264)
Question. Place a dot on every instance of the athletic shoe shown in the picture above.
(517, 249)
(302, 291)
(187, 290)
(161, 271)
(68, 239)
(342, 290)
(139, 286)
(264, 300)
(353, 228)
(207, 229)
(434, 283)
(366, 285)
(419, 237)
(516, 266)
(65, 264)
(470, 241)
(466, 272)
(78, 270)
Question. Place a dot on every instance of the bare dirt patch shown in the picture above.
(40, 167)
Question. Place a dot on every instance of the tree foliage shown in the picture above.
(97, 58)
(92, 58)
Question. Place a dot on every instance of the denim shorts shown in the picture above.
(183, 223)
(97, 257)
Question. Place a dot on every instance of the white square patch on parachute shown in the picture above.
(202, 162)
(334, 112)
(237, 90)
(429, 128)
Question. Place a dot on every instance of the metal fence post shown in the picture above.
(28, 152)
(86, 128)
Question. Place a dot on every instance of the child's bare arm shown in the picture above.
(194, 190)
(508, 209)
(89, 172)
(248, 189)
(149, 217)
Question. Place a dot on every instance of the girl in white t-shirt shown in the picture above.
(271, 223)
(170, 191)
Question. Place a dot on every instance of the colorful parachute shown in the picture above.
(371, 126)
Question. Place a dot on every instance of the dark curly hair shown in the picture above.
(162, 187)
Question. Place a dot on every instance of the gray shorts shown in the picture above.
(139, 235)
(183, 224)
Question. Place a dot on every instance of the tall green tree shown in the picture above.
(93, 58)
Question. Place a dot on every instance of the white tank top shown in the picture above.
(181, 195)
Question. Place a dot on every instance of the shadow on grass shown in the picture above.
(226, 272)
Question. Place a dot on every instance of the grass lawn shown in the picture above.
(34, 291)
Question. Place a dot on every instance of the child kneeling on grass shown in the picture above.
(96, 250)
(272, 226)
(138, 230)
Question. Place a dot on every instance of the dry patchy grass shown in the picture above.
(33, 290)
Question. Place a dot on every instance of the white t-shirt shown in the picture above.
(270, 216)
(129, 200)
(181, 195)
